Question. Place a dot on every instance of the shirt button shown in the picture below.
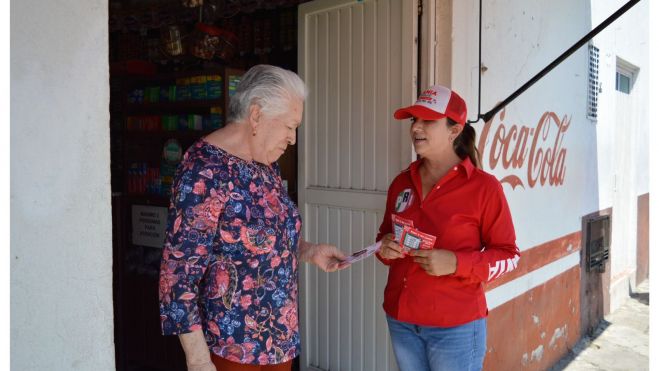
(455, 168)
(438, 187)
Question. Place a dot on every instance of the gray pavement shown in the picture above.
(619, 343)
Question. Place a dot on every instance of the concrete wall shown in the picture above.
(61, 235)
(623, 143)
(555, 164)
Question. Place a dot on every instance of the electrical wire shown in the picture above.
(489, 114)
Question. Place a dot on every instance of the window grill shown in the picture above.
(593, 81)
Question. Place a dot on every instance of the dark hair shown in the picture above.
(465, 143)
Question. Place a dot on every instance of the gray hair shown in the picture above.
(269, 87)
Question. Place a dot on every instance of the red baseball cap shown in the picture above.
(435, 103)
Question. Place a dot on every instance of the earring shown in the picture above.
(254, 132)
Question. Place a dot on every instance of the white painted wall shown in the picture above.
(520, 38)
(61, 235)
(623, 126)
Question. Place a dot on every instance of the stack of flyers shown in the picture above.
(410, 238)
(361, 254)
(399, 225)
(414, 239)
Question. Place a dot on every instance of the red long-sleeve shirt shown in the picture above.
(467, 211)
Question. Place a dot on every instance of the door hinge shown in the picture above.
(420, 7)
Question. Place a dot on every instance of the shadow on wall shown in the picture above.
(641, 297)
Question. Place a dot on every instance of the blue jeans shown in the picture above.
(426, 348)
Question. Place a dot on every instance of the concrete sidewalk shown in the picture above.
(619, 343)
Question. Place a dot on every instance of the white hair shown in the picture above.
(267, 86)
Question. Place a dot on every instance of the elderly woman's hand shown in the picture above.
(326, 257)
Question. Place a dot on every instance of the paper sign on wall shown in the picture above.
(149, 224)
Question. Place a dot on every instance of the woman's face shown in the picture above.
(431, 138)
(279, 131)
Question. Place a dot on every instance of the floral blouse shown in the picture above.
(229, 264)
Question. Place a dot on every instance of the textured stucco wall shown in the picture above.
(622, 138)
(519, 39)
(61, 231)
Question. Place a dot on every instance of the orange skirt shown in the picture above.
(223, 364)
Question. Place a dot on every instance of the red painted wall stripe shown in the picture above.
(539, 256)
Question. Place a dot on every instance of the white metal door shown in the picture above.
(358, 59)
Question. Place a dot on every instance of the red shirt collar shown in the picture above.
(466, 165)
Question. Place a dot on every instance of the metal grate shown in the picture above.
(598, 237)
(593, 81)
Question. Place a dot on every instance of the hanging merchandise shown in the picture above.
(210, 42)
(205, 40)
(171, 156)
(171, 40)
(227, 47)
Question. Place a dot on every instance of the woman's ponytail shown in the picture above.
(465, 144)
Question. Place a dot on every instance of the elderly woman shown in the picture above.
(228, 278)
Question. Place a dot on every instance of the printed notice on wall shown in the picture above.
(149, 224)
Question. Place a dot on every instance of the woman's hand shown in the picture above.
(197, 355)
(436, 262)
(390, 249)
(326, 257)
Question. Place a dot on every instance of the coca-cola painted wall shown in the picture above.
(555, 163)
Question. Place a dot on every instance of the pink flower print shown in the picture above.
(201, 250)
(232, 352)
(274, 262)
(228, 237)
(214, 328)
(225, 283)
(245, 301)
(177, 224)
(252, 187)
(263, 358)
(207, 213)
(249, 283)
(272, 205)
(236, 352)
(167, 280)
(199, 188)
(257, 241)
(288, 316)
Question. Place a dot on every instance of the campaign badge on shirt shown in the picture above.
(404, 200)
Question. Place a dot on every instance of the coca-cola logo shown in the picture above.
(539, 150)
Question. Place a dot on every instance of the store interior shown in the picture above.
(173, 67)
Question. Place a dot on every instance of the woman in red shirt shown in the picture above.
(456, 232)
